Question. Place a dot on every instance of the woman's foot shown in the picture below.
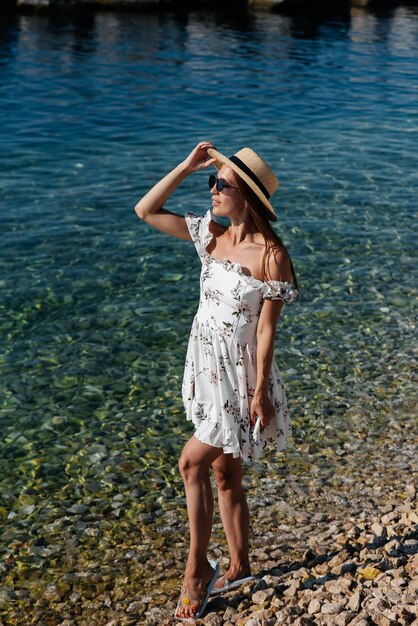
(194, 592)
(232, 575)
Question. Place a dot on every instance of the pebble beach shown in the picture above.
(333, 542)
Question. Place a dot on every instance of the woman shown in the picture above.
(232, 389)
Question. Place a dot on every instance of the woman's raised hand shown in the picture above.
(150, 207)
(198, 158)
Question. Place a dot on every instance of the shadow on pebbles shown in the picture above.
(354, 564)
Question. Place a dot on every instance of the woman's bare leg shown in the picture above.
(194, 464)
(234, 514)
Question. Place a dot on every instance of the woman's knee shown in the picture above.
(196, 459)
(227, 479)
(190, 467)
(185, 465)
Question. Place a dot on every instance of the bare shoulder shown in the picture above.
(279, 265)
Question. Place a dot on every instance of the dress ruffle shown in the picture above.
(201, 237)
(280, 290)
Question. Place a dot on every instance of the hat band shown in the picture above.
(251, 174)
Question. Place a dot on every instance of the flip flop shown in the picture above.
(228, 585)
(203, 602)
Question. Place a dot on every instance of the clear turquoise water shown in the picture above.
(95, 307)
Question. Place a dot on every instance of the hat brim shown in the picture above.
(221, 159)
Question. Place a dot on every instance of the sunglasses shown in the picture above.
(220, 183)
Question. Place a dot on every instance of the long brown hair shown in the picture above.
(260, 216)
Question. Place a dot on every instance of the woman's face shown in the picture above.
(229, 202)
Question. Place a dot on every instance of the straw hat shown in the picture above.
(254, 171)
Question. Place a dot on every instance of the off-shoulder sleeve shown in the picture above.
(280, 290)
(199, 230)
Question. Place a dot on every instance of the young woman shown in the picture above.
(232, 389)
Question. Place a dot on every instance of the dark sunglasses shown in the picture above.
(219, 182)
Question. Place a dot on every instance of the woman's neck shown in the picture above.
(240, 228)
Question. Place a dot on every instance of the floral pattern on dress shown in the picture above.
(213, 294)
(220, 370)
(281, 290)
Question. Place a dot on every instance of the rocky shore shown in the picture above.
(359, 572)
(334, 542)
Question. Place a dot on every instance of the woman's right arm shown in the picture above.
(150, 207)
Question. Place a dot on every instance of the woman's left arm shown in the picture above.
(261, 406)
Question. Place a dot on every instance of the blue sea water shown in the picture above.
(95, 307)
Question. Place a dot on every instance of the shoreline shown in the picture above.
(334, 542)
(291, 7)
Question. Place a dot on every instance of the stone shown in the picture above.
(370, 573)
(405, 507)
(382, 620)
(270, 581)
(391, 614)
(314, 606)
(212, 619)
(229, 613)
(304, 598)
(308, 555)
(391, 532)
(262, 596)
(362, 540)
(262, 614)
(354, 531)
(282, 616)
(393, 544)
(6, 595)
(407, 612)
(387, 508)
(412, 566)
(360, 621)
(321, 568)
(355, 601)
(398, 582)
(393, 596)
(342, 539)
(389, 517)
(277, 602)
(332, 608)
(344, 618)
(344, 568)
(293, 588)
(261, 584)
(340, 585)
(375, 604)
(339, 558)
(377, 529)
(302, 572)
(413, 587)
(303, 621)
(134, 607)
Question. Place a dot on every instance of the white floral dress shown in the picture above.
(220, 370)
